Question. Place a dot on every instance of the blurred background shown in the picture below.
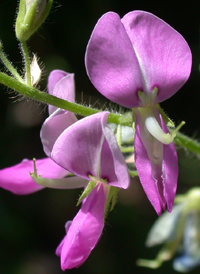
(32, 226)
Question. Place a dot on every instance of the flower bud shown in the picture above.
(31, 15)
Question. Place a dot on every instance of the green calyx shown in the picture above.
(91, 185)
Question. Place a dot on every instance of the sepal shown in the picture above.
(91, 185)
(70, 182)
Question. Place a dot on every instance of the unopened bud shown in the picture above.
(31, 15)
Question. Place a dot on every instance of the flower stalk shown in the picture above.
(27, 62)
(9, 66)
(45, 98)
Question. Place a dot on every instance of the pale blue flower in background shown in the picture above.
(179, 231)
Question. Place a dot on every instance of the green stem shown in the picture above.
(127, 149)
(119, 135)
(133, 173)
(46, 98)
(180, 140)
(27, 62)
(187, 142)
(10, 67)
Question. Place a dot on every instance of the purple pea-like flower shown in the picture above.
(139, 61)
(17, 178)
(89, 150)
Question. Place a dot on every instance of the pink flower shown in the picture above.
(140, 61)
(17, 178)
(89, 150)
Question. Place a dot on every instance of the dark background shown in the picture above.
(32, 226)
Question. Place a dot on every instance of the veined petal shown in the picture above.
(53, 126)
(111, 62)
(163, 54)
(89, 148)
(85, 230)
(61, 84)
(17, 178)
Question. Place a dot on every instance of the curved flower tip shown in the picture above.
(83, 233)
(157, 166)
(60, 84)
(89, 148)
(17, 178)
(136, 53)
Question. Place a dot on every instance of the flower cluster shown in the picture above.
(137, 61)
(88, 149)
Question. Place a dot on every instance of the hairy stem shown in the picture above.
(9, 66)
(46, 98)
(180, 140)
(27, 62)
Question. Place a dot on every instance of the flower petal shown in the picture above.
(164, 56)
(153, 149)
(85, 230)
(112, 160)
(17, 178)
(186, 263)
(190, 257)
(61, 84)
(53, 126)
(111, 62)
(138, 53)
(144, 170)
(89, 148)
(170, 165)
(159, 179)
(59, 248)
